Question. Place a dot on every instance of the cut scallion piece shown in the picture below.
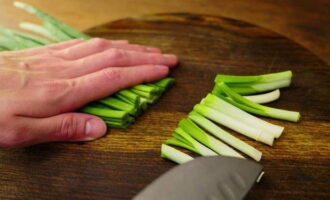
(221, 105)
(234, 124)
(179, 143)
(115, 103)
(255, 108)
(264, 98)
(174, 154)
(200, 149)
(225, 136)
(192, 129)
(254, 84)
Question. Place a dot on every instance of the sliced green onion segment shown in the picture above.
(174, 154)
(225, 136)
(264, 98)
(221, 105)
(200, 149)
(234, 124)
(255, 108)
(192, 129)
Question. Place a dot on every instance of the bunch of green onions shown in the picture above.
(201, 133)
(118, 110)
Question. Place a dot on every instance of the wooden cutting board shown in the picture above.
(123, 162)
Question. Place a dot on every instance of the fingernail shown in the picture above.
(162, 68)
(94, 129)
(172, 59)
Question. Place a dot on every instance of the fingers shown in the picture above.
(63, 127)
(97, 45)
(116, 58)
(107, 81)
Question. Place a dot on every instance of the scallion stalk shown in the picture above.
(264, 98)
(174, 154)
(225, 136)
(187, 139)
(234, 124)
(254, 84)
(192, 129)
(241, 102)
(224, 107)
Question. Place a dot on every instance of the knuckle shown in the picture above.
(69, 128)
(115, 54)
(99, 43)
(112, 75)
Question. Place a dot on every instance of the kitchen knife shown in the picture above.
(204, 178)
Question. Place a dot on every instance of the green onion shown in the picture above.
(192, 129)
(3, 48)
(234, 124)
(27, 39)
(9, 43)
(254, 84)
(264, 98)
(187, 139)
(238, 114)
(225, 136)
(179, 143)
(73, 33)
(165, 83)
(174, 155)
(37, 29)
(115, 103)
(249, 106)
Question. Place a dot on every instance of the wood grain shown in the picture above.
(120, 164)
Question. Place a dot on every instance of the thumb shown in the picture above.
(68, 127)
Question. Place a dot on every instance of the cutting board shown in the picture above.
(120, 164)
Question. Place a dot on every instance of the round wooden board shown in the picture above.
(123, 162)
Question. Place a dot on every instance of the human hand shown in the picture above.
(40, 86)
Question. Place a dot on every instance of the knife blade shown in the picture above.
(204, 178)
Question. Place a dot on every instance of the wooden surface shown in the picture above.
(124, 161)
(305, 22)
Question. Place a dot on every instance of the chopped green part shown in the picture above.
(118, 104)
(264, 78)
(165, 82)
(192, 129)
(129, 96)
(105, 113)
(176, 142)
(225, 136)
(254, 84)
(174, 155)
(257, 108)
(201, 149)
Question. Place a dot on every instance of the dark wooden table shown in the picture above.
(122, 163)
